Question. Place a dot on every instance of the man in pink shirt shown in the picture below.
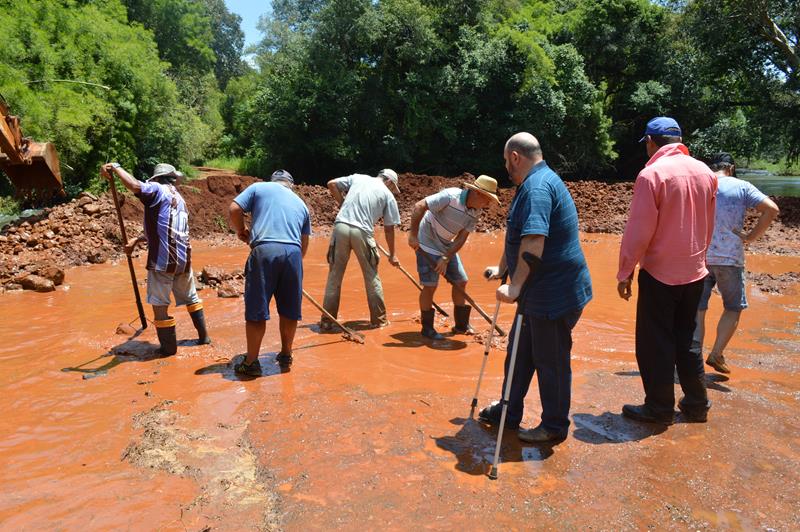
(669, 229)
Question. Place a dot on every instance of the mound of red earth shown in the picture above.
(86, 229)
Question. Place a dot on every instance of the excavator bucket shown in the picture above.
(40, 178)
(32, 166)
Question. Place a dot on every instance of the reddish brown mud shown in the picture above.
(85, 230)
(98, 433)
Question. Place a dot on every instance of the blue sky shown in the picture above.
(249, 10)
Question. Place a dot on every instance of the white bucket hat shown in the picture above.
(164, 169)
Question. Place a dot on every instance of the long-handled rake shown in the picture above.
(348, 334)
(471, 301)
(439, 309)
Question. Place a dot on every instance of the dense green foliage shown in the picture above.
(153, 111)
(420, 85)
(438, 85)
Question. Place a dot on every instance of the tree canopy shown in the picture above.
(431, 86)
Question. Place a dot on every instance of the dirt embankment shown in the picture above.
(85, 230)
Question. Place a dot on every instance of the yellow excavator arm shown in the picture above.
(32, 166)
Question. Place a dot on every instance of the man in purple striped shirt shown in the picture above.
(169, 253)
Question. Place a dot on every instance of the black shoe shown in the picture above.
(284, 359)
(253, 369)
(643, 413)
(540, 435)
(694, 415)
(491, 416)
(426, 317)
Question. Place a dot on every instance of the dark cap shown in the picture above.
(279, 175)
(662, 126)
(722, 158)
(723, 162)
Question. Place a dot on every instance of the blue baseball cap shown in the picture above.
(278, 175)
(663, 126)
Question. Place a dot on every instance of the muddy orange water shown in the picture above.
(98, 433)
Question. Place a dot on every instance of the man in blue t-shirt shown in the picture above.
(725, 256)
(278, 238)
(542, 221)
(169, 253)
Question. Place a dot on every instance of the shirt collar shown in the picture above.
(462, 198)
(541, 165)
(668, 150)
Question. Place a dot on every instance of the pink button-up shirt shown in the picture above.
(671, 218)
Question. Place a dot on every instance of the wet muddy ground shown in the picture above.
(98, 433)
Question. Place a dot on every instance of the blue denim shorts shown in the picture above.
(427, 274)
(730, 283)
(273, 269)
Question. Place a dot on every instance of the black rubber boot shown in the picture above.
(426, 316)
(199, 320)
(461, 315)
(166, 337)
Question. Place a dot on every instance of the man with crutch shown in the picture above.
(542, 222)
(440, 226)
(169, 253)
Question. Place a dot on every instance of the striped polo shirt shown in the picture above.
(447, 214)
(166, 227)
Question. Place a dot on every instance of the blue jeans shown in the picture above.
(545, 348)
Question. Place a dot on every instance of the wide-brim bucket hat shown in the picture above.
(165, 170)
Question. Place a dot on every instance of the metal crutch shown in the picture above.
(529, 258)
(486, 348)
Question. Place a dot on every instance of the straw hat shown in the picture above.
(165, 170)
(485, 185)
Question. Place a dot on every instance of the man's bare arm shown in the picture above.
(533, 244)
(335, 192)
(237, 222)
(114, 169)
(769, 211)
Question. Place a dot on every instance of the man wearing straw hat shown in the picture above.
(169, 253)
(440, 225)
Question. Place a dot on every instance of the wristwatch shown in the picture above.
(115, 165)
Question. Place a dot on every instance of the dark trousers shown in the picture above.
(544, 348)
(665, 322)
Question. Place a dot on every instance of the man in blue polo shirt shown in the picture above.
(278, 238)
(543, 221)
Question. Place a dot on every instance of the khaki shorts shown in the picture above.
(160, 284)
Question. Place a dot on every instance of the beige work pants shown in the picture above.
(346, 238)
